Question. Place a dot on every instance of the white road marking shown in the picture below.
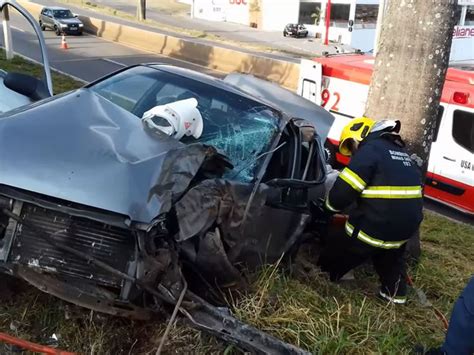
(17, 28)
(113, 62)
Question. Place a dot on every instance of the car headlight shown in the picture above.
(63, 25)
(81, 25)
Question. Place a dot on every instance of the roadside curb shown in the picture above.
(213, 57)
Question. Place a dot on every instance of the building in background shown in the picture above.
(351, 22)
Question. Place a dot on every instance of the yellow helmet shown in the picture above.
(357, 129)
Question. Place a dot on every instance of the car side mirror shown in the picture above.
(26, 85)
(75, 15)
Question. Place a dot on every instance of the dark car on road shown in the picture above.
(295, 30)
(60, 20)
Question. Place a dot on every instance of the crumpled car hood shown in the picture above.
(82, 148)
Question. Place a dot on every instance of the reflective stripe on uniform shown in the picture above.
(373, 241)
(329, 207)
(392, 192)
(352, 179)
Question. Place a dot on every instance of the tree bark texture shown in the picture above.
(141, 10)
(410, 69)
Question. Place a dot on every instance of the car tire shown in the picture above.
(285, 34)
(57, 30)
(43, 27)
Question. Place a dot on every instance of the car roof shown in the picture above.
(206, 79)
(55, 8)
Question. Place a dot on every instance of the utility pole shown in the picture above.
(410, 68)
(378, 28)
(327, 22)
(141, 10)
(409, 71)
(7, 33)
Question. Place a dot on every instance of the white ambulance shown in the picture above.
(341, 84)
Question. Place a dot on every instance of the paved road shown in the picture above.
(230, 33)
(88, 57)
(227, 30)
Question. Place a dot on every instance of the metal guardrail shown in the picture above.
(4, 8)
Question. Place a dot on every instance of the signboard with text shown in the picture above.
(463, 32)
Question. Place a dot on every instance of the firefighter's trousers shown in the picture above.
(343, 253)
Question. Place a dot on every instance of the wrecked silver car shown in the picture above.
(100, 210)
(84, 168)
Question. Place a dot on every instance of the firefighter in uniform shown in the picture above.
(384, 186)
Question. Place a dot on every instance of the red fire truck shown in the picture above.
(341, 84)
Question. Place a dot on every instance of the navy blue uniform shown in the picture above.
(385, 184)
(460, 336)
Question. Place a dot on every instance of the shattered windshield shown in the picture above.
(241, 128)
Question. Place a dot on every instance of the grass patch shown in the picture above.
(171, 7)
(322, 317)
(61, 83)
(302, 307)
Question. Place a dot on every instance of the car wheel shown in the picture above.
(42, 26)
(284, 34)
(57, 30)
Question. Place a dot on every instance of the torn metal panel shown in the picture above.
(98, 156)
(287, 101)
(253, 234)
(208, 254)
(269, 235)
(215, 201)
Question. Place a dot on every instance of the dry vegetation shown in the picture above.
(299, 306)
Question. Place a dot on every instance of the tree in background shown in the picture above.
(316, 15)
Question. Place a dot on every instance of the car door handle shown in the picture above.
(450, 159)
